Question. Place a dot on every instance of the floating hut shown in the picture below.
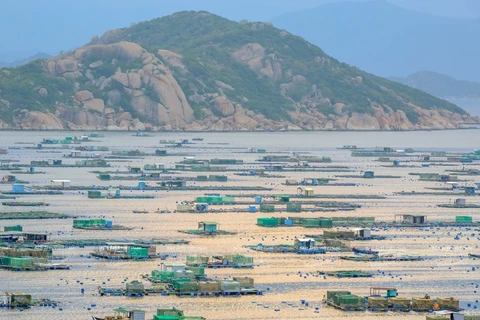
(305, 191)
(97, 224)
(135, 169)
(182, 286)
(377, 292)
(13, 228)
(173, 314)
(338, 234)
(226, 261)
(368, 174)
(60, 184)
(469, 191)
(207, 228)
(125, 251)
(92, 163)
(411, 219)
(184, 207)
(15, 300)
(15, 235)
(9, 178)
(362, 233)
(27, 260)
(345, 300)
(291, 182)
(301, 246)
(121, 313)
(347, 274)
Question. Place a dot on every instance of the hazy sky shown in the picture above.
(31, 26)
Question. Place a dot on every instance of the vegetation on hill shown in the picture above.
(196, 66)
(206, 42)
(19, 89)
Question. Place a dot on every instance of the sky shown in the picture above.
(31, 26)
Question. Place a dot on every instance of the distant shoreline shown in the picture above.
(235, 131)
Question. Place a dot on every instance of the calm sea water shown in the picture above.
(89, 273)
(455, 139)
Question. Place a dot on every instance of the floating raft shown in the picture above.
(373, 237)
(131, 197)
(104, 242)
(365, 251)
(288, 249)
(381, 258)
(316, 196)
(453, 206)
(25, 204)
(207, 233)
(219, 265)
(362, 177)
(121, 256)
(166, 292)
(33, 215)
(34, 193)
(26, 172)
(347, 274)
(14, 182)
(414, 193)
(345, 308)
(113, 227)
(7, 197)
(38, 268)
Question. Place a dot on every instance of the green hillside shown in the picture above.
(199, 71)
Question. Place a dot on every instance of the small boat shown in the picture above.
(197, 139)
(365, 251)
(140, 211)
(141, 134)
(3, 151)
(25, 204)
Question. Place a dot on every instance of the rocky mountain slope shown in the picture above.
(198, 71)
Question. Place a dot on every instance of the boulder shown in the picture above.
(65, 65)
(172, 59)
(121, 78)
(109, 111)
(42, 121)
(83, 95)
(362, 122)
(134, 80)
(43, 92)
(172, 97)
(94, 104)
(341, 123)
(244, 122)
(224, 106)
(338, 108)
(124, 116)
(95, 64)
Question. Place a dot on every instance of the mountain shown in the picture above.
(440, 85)
(40, 55)
(198, 71)
(389, 40)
